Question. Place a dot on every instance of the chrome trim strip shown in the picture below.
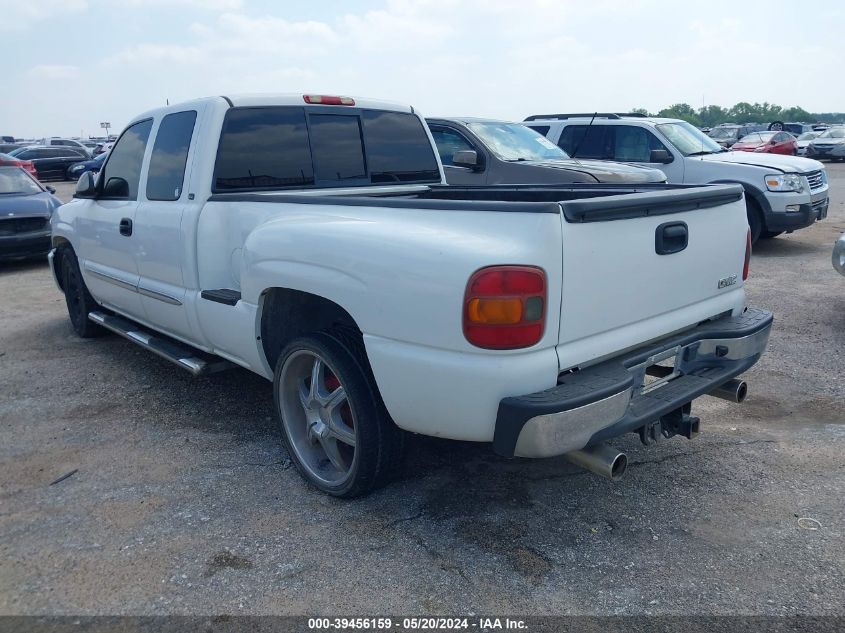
(112, 279)
(154, 294)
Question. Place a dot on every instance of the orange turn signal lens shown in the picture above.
(495, 311)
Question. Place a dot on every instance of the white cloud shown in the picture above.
(21, 15)
(56, 71)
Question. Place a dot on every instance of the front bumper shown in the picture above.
(24, 245)
(610, 399)
(807, 213)
(839, 255)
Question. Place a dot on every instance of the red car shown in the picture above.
(11, 161)
(769, 142)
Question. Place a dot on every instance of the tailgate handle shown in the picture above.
(671, 237)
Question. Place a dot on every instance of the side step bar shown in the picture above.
(197, 362)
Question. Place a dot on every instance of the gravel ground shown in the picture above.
(183, 502)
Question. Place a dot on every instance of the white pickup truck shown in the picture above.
(311, 239)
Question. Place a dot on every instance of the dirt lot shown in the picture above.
(184, 502)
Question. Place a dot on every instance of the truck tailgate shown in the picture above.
(619, 291)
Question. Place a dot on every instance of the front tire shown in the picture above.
(335, 426)
(767, 235)
(79, 301)
(755, 218)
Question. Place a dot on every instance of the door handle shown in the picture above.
(126, 227)
(671, 237)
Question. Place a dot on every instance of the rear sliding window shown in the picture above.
(281, 147)
(263, 148)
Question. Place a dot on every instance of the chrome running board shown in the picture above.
(188, 358)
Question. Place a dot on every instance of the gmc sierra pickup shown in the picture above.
(312, 240)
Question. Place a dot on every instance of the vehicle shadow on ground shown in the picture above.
(23, 265)
(782, 246)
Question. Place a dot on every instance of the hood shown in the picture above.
(828, 141)
(604, 171)
(781, 162)
(38, 204)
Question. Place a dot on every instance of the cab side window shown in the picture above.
(122, 172)
(449, 142)
(634, 144)
(586, 141)
(170, 156)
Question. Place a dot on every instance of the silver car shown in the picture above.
(839, 255)
(804, 141)
(830, 144)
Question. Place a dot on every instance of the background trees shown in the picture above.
(743, 112)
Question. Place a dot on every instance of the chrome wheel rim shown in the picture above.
(319, 422)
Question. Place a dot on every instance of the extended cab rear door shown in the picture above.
(159, 227)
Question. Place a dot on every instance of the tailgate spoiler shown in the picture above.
(642, 204)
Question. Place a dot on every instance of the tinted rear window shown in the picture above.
(270, 148)
(336, 147)
(263, 148)
(398, 149)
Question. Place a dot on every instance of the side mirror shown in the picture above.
(465, 158)
(115, 188)
(50, 189)
(85, 186)
(773, 142)
(660, 156)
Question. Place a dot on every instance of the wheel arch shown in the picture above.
(286, 313)
(752, 192)
(62, 245)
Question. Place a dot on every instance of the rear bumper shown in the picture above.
(608, 399)
(24, 245)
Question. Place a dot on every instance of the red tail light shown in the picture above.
(505, 307)
(747, 255)
(329, 100)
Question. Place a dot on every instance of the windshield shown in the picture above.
(16, 180)
(724, 132)
(17, 151)
(689, 140)
(757, 137)
(808, 136)
(834, 133)
(514, 141)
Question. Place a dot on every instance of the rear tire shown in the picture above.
(79, 301)
(776, 126)
(336, 428)
(755, 218)
(767, 235)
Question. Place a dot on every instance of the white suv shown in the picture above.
(783, 193)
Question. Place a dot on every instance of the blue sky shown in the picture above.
(69, 64)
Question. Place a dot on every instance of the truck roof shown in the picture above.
(271, 99)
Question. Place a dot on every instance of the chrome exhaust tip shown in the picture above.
(732, 391)
(602, 460)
